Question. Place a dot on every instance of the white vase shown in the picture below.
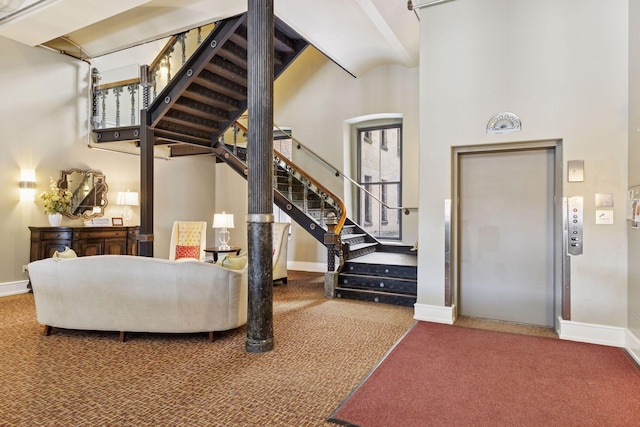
(55, 219)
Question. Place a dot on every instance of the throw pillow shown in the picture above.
(234, 262)
(187, 252)
(67, 253)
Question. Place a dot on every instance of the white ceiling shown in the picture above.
(357, 34)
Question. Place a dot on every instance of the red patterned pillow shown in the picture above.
(187, 252)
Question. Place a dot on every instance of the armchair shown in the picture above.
(188, 240)
(280, 245)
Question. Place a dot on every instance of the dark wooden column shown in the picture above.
(146, 185)
(260, 178)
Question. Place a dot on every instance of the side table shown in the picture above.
(217, 250)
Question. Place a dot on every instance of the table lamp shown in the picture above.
(223, 221)
(127, 199)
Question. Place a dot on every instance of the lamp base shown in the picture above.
(127, 214)
(223, 236)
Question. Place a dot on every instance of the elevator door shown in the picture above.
(506, 236)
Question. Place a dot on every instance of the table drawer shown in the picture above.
(57, 235)
(101, 234)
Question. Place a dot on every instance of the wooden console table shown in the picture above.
(84, 241)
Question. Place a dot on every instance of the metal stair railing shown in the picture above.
(319, 211)
(108, 97)
(339, 173)
(236, 140)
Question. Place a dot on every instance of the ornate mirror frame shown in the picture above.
(89, 189)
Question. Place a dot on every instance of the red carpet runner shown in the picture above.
(448, 375)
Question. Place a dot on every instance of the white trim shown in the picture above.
(434, 313)
(314, 267)
(633, 346)
(358, 121)
(591, 333)
(13, 288)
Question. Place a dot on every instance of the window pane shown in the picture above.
(370, 157)
(380, 172)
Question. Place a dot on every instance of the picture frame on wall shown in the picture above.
(117, 221)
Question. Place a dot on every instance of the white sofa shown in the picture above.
(138, 294)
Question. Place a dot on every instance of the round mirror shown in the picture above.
(89, 192)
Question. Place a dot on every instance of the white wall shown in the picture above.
(44, 126)
(561, 66)
(634, 163)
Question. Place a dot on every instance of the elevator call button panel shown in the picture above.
(575, 225)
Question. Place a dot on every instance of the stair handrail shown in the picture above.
(338, 173)
(343, 210)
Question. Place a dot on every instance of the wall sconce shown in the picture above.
(223, 221)
(127, 199)
(27, 185)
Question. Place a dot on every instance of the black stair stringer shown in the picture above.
(193, 68)
(297, 214)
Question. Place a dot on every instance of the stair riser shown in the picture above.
(401, 271)
(360, 252)
(354, 241)
(380, 284)
(402, 300)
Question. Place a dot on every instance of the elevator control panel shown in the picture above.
(575, 225)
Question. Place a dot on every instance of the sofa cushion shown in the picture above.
(187, 252)
(67, 253)
(234, 262)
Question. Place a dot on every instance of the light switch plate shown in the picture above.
(575, 170)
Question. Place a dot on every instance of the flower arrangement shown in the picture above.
(56, 199)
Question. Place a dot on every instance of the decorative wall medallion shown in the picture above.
(504, 123)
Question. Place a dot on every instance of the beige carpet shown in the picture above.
(323, 349)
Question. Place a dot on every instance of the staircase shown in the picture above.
(203, 101)
(372, 271)
(208, 93)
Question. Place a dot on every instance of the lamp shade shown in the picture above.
(222, 220)
(127, 198)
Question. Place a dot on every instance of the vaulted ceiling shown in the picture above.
(357, 34)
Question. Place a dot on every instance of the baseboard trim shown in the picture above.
(633, 346)
(313, 267)
(13, 288)
(434, 313)
(592, 333)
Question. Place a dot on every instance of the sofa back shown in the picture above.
(132, 293)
